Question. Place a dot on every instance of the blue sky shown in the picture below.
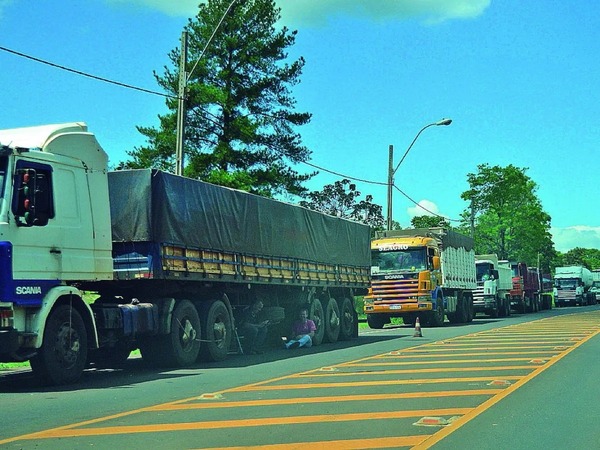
(518, 79)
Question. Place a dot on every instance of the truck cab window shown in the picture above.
(33, 203)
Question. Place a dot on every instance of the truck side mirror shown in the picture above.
(436, 263)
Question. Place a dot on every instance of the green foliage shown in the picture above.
(429, 222)
(587, 257)
(341, 199)
(507, 215)
(240, 114)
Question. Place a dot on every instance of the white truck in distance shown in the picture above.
(572, 286)
(494, 282)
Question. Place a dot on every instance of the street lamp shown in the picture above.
(392, 171)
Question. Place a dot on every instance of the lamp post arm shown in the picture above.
(411, 144)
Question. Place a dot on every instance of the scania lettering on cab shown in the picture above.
(168, 258)
(427, 273)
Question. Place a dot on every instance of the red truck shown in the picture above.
(527, 295)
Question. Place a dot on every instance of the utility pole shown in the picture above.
(392, 171)
(472, 219)
(390, 186)
(181, 107)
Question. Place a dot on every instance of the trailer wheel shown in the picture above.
(217, 332)
(63, 355)
(332, 320)
(182, 345)
(317, 315)
(348, 321)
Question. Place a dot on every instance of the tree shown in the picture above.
(429, 222)
(240, 117)
(578, 256)
(507, 215)
(341, 199)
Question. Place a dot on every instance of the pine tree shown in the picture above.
(241, 120)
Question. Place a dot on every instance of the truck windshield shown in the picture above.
(566, 284)
(483, 272)
(402, 260)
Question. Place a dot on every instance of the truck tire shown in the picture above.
(216, 332)
(183, 343)
(63, 354)
(436, 317)
(377, 321)
(495, 311)
(469, 308)
(347, 319)
(332, 320)
(317, 315)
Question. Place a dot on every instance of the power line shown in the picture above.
(344, 176)
(78, 72)
(128, 86)
(422, 207)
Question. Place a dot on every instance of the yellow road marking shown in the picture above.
(350, 444)
(462, 349)
(242, 423)
(326, 399)
(437, 437)
(286, 387)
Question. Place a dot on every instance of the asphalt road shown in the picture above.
(524, 382)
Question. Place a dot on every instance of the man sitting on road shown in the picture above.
(253, 328)
(303, 331)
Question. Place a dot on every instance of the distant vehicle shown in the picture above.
(494, 283)
(596, 283)
(425, 273)
(572, 286)
(525, 293)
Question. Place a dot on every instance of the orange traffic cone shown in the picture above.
(417, 329)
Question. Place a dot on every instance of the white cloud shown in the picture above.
(307, 13)
(582, 236)
(296, 13)
(424, 208)
(185, 8)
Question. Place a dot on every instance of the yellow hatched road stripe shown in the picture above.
(242, 423)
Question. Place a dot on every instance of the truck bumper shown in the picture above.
(487, 304)
(9, 341)
(397, 309)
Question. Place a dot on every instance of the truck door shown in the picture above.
(56, 236)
